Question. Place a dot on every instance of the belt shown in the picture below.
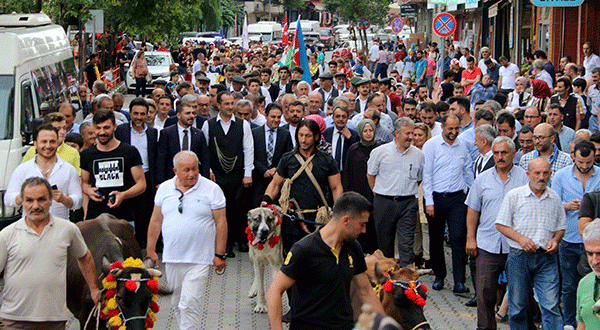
(449, 194)
(397, 198)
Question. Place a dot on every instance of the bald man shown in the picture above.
(543, 139)
(532, 217)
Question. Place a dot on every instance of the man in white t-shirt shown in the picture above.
(591, 60)
(485, 55)
(508, 74)
(190, 211)
(373, 53)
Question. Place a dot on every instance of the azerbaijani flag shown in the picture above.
(296, 55)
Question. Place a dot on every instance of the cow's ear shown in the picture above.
(378, 273)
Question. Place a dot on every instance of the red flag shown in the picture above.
(285, 31)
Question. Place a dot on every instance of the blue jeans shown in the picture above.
(539, 269)
(569, 254)
(381, 69)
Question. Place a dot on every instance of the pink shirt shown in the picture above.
(430, 66)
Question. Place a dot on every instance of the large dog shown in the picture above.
(264, 232)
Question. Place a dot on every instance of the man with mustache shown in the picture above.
(296, 113)
(571, 183)
(543, 138)
(532, 217)
(484, 242)
(587, 294)
(444, 196)
(111, 171)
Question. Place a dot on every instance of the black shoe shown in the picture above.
(243, 246)
(438, 284)
(427, 264)
(472, 302)
(460, 289)
(287, 317)
(229, 252)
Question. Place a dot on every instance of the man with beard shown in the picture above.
(586, 316)
(532, 217)
(571, 183)
(111, 171)
(144, 139)
(363, 95)
(595, 138)
(309, 270)
(543, 139)
(231, 152)
(444, 196)
(409, 109)
(296, 114)
(428, 116)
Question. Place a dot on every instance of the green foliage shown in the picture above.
(353, 11)
(287, 4)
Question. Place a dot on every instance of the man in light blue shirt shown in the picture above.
(482, 116)
(484, 241)
(571, 183)
(460, 106)
(555, 118)
(447, 175)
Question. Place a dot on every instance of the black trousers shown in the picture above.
(396, 218)
(233, 189)
(449, 208)
(143, 211)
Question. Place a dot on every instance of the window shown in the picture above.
(27, 112)
(6, 107)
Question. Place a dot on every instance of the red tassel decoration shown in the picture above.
(131, 285)
(387, 286)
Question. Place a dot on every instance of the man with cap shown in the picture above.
(326, 90)
(363, 94)
(201, 86)
(341, 82)
(353, 85)
(237, 85)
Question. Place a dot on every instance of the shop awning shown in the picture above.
(318, 5)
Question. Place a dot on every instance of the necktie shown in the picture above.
(338, 150)
(184, 144)
(270, 147)
(479, 165)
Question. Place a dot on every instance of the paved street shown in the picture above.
(228, 307)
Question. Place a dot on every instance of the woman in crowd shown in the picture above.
(354, 176)
(518, 98)
(140, 70)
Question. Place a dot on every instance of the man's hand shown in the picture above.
(429, 210)
(92, 193)
(573, 205)
(118, 199)
(152, 255)
(472, 247)
(219, 264)
(95, 293)
(552, 247)
(346, 132)
(247, 181)
(527, 244)
(269, 173)
(57, 196)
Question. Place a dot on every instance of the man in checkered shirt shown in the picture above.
(532, 217)
(543, 138)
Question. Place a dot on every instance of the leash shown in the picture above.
(96, 311)
(295, 218)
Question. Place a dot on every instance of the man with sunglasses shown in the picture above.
(190, 211)
(543, 139)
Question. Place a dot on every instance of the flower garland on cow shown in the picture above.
(111, 310)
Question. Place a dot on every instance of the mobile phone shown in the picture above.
(111, 199)
(54, 187)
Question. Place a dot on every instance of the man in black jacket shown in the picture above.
(270, 143)
(340, 136)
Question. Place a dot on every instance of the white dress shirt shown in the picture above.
(63, 175)
(509, 75)
(181, 134)
(247, 141)
(140, 142)
(589, 63)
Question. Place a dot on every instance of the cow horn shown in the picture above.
(154, 272)
(106, 264)
(149, 263)
(116, 272)
(378, 273)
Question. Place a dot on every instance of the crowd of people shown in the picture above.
(498, 161)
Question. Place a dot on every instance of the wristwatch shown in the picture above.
(221, 256)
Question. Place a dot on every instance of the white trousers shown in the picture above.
(188, 282)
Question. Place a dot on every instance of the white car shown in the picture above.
(158, 65)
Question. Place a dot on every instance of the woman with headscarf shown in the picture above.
(354, 176)
(518, 98)
(324, 145)
(541, 94)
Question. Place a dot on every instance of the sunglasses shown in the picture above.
(180, 207)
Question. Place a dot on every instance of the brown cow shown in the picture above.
(109, 240)
(402, 308)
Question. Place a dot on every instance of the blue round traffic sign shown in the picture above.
(396, 25)
(364, 24)
(444, 25)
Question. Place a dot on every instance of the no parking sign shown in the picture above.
(444, 25)
(396, 25)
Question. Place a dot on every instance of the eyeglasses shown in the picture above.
(541, 137)
(180, 207)
(525, 141)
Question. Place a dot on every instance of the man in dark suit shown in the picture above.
(270, 143)
(327, 90)
(484, 136)
(182, 136)
(144, 139)
(340, 136)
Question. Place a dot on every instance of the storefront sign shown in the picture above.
(557, 3)
(471, 4)
(493, 11)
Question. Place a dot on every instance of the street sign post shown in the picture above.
(95, 25)
(444, 25)
(364, 24)
(396, 25)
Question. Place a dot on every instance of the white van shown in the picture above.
(37, 73)
(268, 31)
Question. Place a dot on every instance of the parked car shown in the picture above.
(158, 66)
(327, 37)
